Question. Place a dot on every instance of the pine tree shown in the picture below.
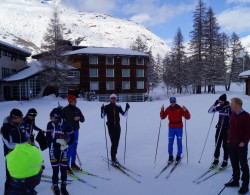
(55, 63)
(158, 69)
(139, 45)
(152, 78)
(235, 66)
(198, 44)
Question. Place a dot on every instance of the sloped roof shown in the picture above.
(15, 47)
(106, 51)
(245, 74)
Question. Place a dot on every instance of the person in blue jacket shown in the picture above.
(223, 107)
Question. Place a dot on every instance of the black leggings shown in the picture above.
(114, 133)
(222, 139)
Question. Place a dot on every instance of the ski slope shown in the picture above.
(143, 124)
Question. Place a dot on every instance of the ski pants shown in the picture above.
(239, 161)
(221, 138)
(178, 132)
(58, 160)
(73, 149)
(24, 186)
(114, 134)
(8, 178)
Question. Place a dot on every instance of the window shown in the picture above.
(110, 85)
(94, 85)
(109, 60)
(93, 59)
(125, 72)
(140, 84)
(110, 72)
(5, 72)
(126, 85)
(93, 72)
(140, 61)
(140, 73)
(125, 61)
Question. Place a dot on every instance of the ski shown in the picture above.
(172, 170)
(215, 173)
(125, 168)
(205, 173)
(164, 169)
(122, 171)
(90, 174)
(49, 181)
(81, 180)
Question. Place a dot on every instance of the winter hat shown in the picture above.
(15, 113)
(32, 111)
(113, 96)
(71, 98)
(56, 113)
(223, 98)
(24, 161)
(172, 99)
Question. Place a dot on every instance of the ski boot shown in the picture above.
(74, 166)
(224, 164)
(69, 170)
(56, 190)
(243, 190)
(64, 190)
(178, 159)
(233, 183)
(170, 159)
(215, 163)
(115, 162)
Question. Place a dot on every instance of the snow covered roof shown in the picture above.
(15, 47)
(33, 68)
(245, 74)
(107, 51)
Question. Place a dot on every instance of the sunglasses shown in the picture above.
(73, 101)
(33, 114)
(113, 98)
(173, 102)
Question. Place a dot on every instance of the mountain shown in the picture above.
(246, 43)
(23, 23)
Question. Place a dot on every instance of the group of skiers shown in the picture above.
(61, 137)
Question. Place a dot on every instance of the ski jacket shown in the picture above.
(69, 112)
(113, 112)
(224, 114)
(239, 128)
(59, 130)
(175, 115)
(12, 134)
(29, 125)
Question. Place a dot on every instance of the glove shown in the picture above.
(63, 144)
(162, 108)
(102, 109)
(216, 102)
(127, 106)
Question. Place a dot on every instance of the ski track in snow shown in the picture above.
(143, 124)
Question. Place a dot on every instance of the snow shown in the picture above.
(143, 124)
(245, 74)
(107, 51)
(24, 23)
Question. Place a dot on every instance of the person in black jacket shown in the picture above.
(223, 107)
(113, 112)
(59, 136)
(73, 115)
(13, 134)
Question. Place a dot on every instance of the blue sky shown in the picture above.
(163, 17)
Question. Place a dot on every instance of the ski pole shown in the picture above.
(158, 141)
(106, 138)
(186, 138)
(217, 141)
(225, 187)
(126, 138)
(79, 160)
(206, 138)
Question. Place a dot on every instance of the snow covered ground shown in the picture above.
(143, 124)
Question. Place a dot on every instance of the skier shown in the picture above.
(238, 138)
(25, 164)
(175, 114)
(12, 134)
(223, 107)
(112, 111)
(59, 136)
(73, 116)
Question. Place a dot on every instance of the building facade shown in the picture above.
(246, 76)
(12, 60)
(112, 70)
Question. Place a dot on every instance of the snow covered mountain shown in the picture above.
(246, 43)
(23, 23)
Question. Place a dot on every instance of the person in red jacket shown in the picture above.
(175, 114)
(238, 138)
